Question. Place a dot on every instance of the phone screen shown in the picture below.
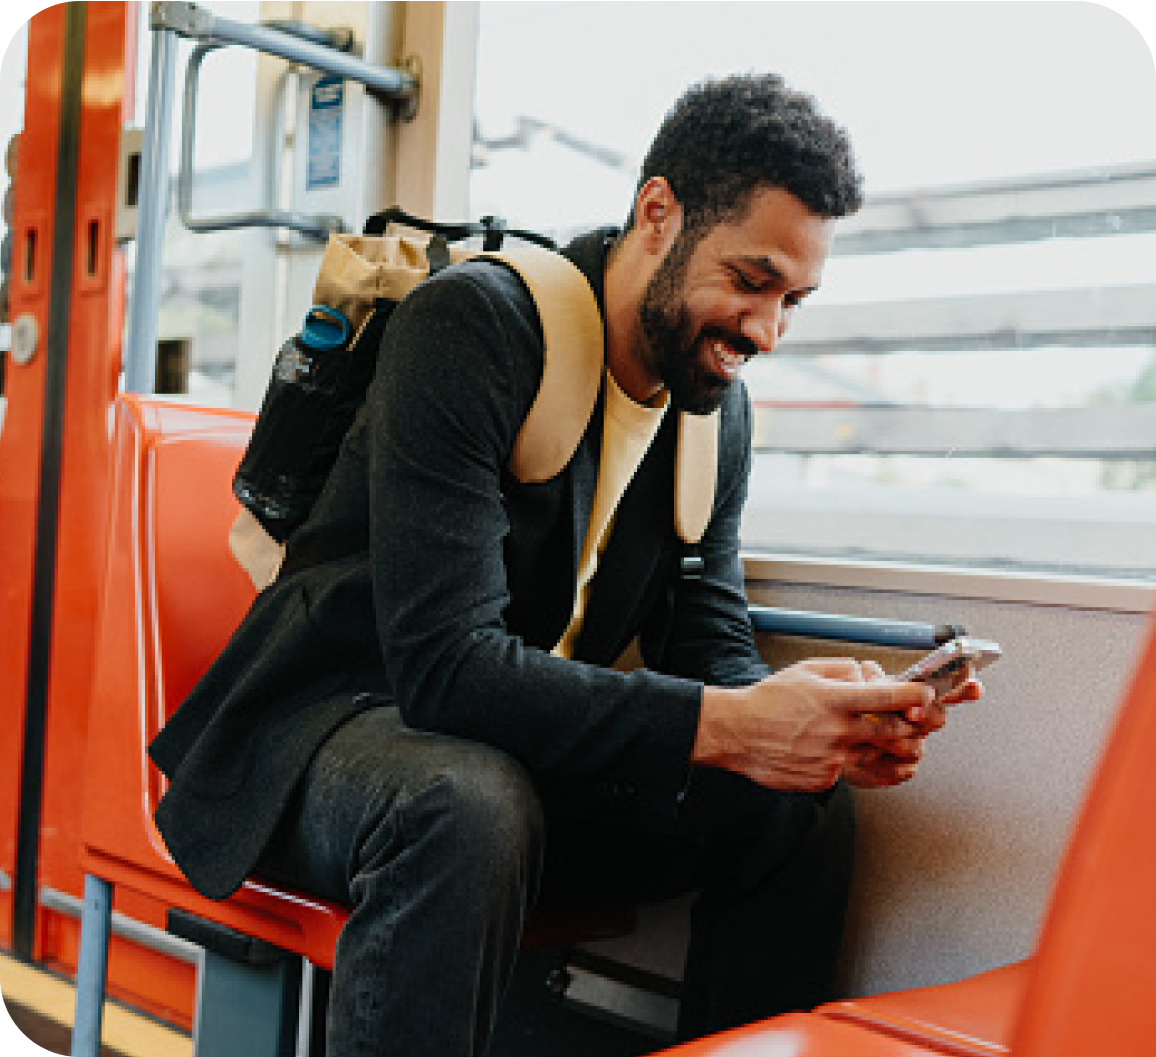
(939, 668)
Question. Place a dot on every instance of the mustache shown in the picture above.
(739, 342)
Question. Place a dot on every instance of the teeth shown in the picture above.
(726, 355)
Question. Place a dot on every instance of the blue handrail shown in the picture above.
(897, 634)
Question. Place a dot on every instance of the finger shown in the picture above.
(885, 730)
(845, 669)
(972, 690)
(929, 718)
(872, 671)
(877, 772)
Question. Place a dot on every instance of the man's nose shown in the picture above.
(765, 327)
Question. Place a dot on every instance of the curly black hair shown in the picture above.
(726, 138)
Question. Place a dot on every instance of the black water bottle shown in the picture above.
(312, 396)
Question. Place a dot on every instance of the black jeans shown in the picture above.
(439, 846)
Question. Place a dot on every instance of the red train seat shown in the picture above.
(172, 596)
(1094, 987)
(969, 1018)
(800, 1035)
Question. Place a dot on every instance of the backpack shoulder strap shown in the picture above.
(574, 356)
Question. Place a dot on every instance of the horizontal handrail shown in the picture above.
(871, 631)
(138, 932)
(198, 23)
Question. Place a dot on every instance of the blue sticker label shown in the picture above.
(325, 110)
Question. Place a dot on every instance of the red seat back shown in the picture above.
(199, 592)
(172, 594)
(1094, 987)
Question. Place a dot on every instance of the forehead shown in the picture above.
(778, 230)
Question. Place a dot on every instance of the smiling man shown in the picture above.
(421, 717)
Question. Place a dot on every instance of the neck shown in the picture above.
(627, 273)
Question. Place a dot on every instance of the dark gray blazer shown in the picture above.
(427, 576)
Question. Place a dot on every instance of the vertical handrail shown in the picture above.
(95, 925)
(141, 341)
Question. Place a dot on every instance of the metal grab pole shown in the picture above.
(141, 341)
(90, 973)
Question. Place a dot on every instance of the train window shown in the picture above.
(975, 383)
(202, 274)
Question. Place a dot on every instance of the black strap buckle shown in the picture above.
(691, 566)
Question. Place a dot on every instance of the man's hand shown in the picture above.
(801, 727)
(877, 766)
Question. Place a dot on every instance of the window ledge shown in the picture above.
(1047, 589)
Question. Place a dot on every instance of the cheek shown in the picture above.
(716, 308)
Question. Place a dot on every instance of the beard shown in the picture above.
(674, 351)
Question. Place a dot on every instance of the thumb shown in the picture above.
(886, 695)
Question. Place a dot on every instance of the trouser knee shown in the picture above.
(468, 819)
(489, 813)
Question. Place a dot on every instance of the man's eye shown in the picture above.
(753, 286)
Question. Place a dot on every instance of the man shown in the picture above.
(420, 718)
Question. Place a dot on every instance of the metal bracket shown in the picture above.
(324, 50)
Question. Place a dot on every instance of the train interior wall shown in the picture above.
(955, 868)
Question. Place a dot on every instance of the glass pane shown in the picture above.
(974, 383)
(199, 318)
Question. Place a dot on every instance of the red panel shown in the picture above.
(92, 360)
(20, 439)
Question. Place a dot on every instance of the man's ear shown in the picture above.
(657, 215)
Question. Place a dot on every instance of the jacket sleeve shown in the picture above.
(703, 630)
(442, 414)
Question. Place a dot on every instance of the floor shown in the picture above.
(40, 1005)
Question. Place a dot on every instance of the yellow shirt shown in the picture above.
(627, 432)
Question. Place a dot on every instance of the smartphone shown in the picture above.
(940, 667)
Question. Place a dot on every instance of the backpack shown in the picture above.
(321, 374)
